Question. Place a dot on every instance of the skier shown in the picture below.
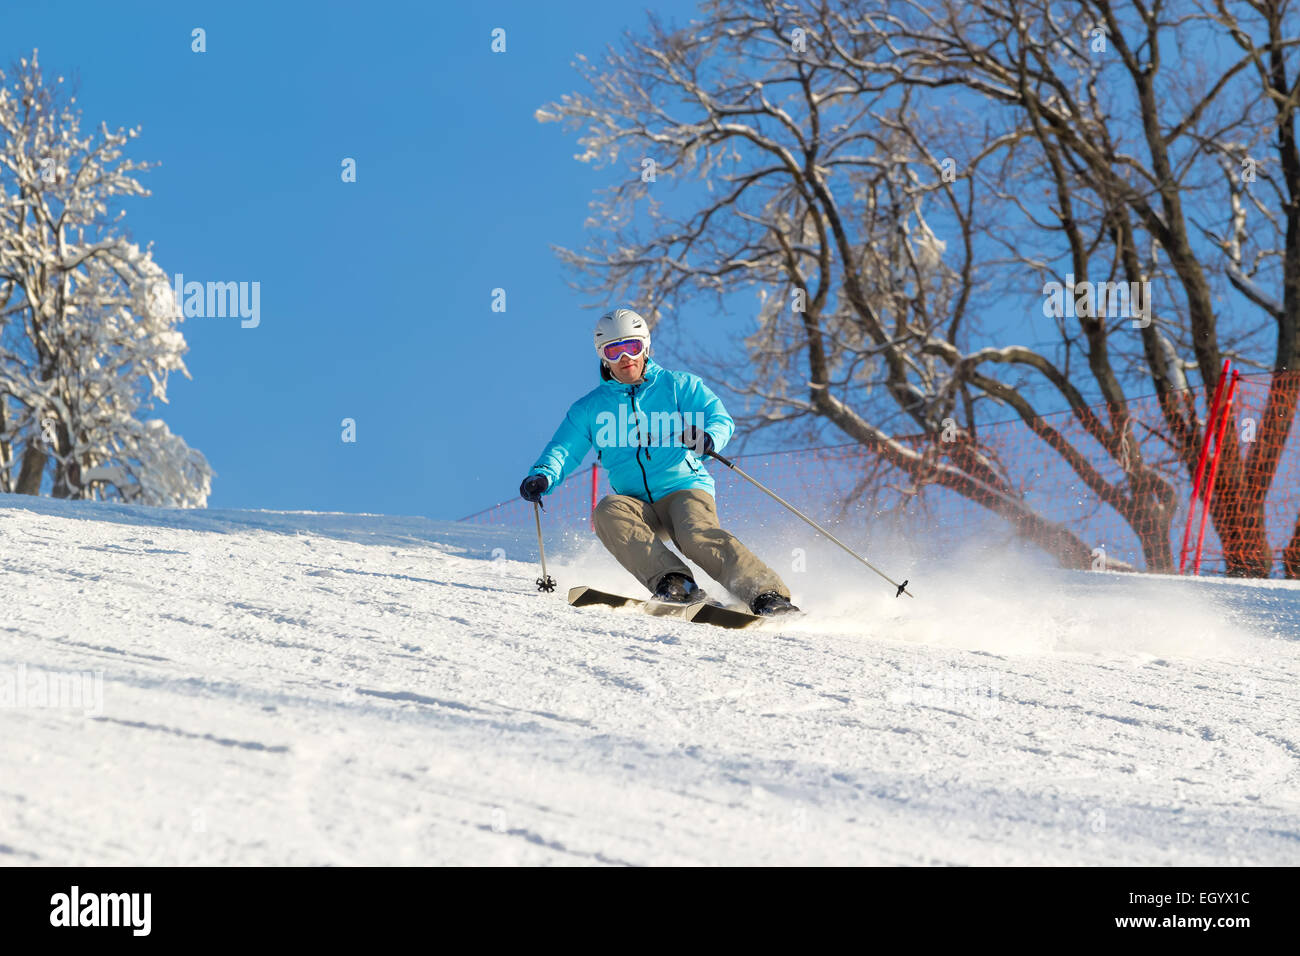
(651, 429)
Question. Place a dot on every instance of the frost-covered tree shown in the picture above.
(88, 322)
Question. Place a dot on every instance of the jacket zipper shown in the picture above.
(644, 481)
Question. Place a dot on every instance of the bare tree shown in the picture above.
(893, 178)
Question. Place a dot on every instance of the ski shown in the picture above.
(699, 612)
(706, 612)
(582, 596)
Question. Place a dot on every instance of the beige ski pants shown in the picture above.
(633, 531)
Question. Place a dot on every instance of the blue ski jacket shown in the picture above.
(636, 431)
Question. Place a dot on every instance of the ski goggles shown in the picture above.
(632, 348)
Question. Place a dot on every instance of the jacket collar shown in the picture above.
(652, 370)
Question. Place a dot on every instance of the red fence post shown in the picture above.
(1210, 419)
(1214, 468)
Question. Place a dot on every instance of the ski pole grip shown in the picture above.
(725, 461)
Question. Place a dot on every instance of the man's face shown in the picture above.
(628, 370)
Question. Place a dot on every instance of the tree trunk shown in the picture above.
(6, 449)
(1151, 519)
(29, 478)
(67, 472)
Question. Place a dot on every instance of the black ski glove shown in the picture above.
(697, 440)
(532, 487)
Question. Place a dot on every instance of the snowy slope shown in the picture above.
(310, 688)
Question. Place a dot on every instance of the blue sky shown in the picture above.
(375, 295)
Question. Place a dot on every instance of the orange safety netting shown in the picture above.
(1098, 487)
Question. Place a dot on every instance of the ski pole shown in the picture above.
(545, 582)
(902, 588)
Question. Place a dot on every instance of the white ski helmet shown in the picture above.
(619, 324)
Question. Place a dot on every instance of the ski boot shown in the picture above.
(770, 603)
(674, 588)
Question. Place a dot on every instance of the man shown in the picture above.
(651, 428)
